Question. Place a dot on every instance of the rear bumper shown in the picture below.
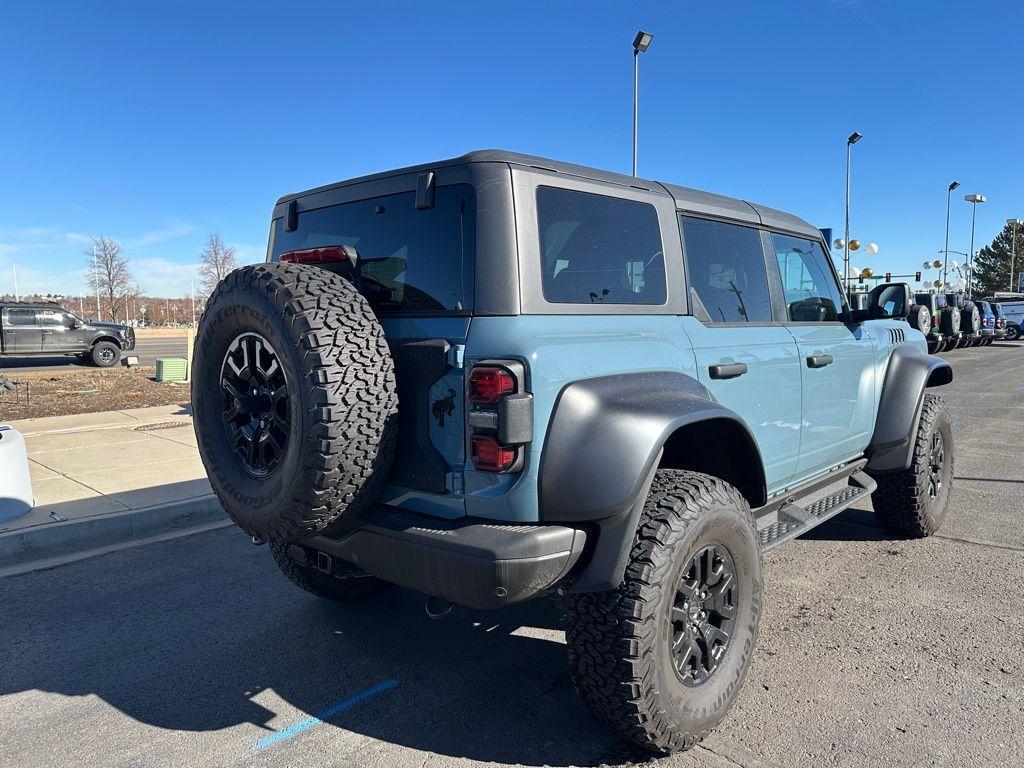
(470, 561)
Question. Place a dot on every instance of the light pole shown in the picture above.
(96, 279)
(973, 200)
(850, 141)
(945, 259)
(640, 44)
(1013, 249)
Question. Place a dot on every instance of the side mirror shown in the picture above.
(889, 300)
(75, 324)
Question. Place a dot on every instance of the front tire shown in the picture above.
(913, 502)
(661, 659)
(105, 354)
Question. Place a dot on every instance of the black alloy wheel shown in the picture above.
(936, 461)
(106, 355)
(703, 614)
(255, 403)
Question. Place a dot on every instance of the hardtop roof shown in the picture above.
(686, 199)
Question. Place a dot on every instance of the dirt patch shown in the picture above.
(49, 393)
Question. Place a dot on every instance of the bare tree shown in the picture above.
(217, 260)
(109, 275)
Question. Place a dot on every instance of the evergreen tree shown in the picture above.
(992, 263)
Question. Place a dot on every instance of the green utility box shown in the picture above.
(171, 369)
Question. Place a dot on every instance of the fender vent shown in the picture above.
(897, 336)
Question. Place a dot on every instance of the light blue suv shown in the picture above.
(501, 376)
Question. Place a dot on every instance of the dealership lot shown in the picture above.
(872, 651)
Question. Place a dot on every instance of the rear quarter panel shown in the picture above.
(560, 349)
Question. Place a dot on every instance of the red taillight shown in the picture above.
(326, 255)
(935, 321)
(488, 385)
(489, 455)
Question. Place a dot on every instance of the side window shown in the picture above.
(21, 317)
(49, 318)
(725, 267)
(811, 291)
(597, 249)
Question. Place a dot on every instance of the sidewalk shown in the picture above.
(103, 481)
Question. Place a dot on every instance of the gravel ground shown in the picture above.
(87, 390)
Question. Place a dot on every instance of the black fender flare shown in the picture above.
(106, 337)
(909, 373)
(601, 451)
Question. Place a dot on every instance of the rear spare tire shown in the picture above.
(970, 319)
(949, 321)
(920, 318)
(294, 400)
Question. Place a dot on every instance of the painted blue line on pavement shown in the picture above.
(331, 711)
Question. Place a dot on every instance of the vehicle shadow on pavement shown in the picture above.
(204, 633)
(853, 524)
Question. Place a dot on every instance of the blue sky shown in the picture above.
(157, 123)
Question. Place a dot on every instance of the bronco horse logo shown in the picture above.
(444, 407)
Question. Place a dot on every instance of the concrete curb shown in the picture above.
(50, 545)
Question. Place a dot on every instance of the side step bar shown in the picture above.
(792, 519)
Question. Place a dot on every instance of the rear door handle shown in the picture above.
(819, 361)
(727, 370)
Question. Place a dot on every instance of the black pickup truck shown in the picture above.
(42, 328)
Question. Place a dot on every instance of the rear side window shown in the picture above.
(810, 288)
(409, 261)
(597, 249)
(725, 267)
(21, 317)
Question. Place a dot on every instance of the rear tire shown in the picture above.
(322, 585)
(296, 409)
(913, 502)
(1012, 333)
(637, 655)
(105, 354)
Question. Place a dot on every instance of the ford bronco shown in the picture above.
(499, 376)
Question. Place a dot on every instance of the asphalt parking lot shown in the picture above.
(873, 651)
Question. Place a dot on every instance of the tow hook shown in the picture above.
(438, 607)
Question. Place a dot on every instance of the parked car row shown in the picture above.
(956, 321)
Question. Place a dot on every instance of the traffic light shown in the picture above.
(917, 275)
(888, 277)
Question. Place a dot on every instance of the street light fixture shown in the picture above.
(852, 139)
(640, 44)
(949, 192)
(973, 200)
(1013, 247)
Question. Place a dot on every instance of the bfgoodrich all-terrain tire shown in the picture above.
(320, 584)
(661, 659)
(913, 502)
(294, 400)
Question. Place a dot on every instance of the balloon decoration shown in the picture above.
(871, 248)
(954, 264)
(867, 273)
(936, 263)
(927, 265)
(937, 283)
(854, 245)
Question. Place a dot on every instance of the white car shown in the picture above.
(16, 494)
